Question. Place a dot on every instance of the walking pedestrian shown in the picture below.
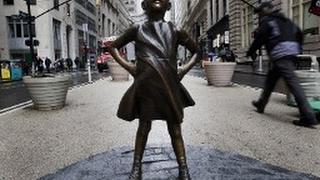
(157, 92)
(77, 62)
(40, 65)
(25, 67)
(69, 64)
(283, 40)
(47, 62)
(61, 64)
(226, 54)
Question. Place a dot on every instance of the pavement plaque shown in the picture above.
(159, 163)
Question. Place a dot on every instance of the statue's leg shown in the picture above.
(179, 150)
(141, 141)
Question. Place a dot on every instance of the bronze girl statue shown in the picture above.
(156, 92)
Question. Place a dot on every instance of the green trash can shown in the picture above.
(310, 83)
(315, 105)
(309, 77)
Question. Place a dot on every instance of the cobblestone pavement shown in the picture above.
(160, 163)
(34, 144)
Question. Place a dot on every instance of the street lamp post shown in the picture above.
(30, 19)
(85, 38)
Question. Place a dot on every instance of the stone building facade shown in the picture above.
(61, 31)
(206, 20)
(58, 31)
(234, 21)
(113, 17)
(191, 15)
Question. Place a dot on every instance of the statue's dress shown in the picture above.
(156, 92)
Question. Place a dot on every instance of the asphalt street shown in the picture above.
(14, 93)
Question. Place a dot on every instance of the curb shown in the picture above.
(16, 107)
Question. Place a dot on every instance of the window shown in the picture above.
(33, 30)
(19, 29)
(91, 8)
(113, 28)
(56, 29)
(25, 29)
(11, 27)
(80, 35)
(310, 21)
(103, 25)
(92, 41)
(8, 2)
(109, 27)
(91, 25)
(300, 16)
(247, 25)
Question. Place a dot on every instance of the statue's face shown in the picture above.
(156, 5)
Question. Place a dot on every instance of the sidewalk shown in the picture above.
(34, 144)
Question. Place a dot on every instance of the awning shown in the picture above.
(219, 28)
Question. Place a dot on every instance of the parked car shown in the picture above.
(102, 61)
(105, 56)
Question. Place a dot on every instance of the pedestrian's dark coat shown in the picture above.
(47, 62)
(280, 36)
(156, 92)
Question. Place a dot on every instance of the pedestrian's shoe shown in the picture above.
(259, 106)
(184, 173)
(136, 173)
(304, 124)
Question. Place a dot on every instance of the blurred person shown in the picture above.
(69, 64)
(40, 65)
(77, 62)
(61, 64)
(25, 67)
(47, 62)
(283, 40)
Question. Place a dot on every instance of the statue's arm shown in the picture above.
(185, 40)
(123, 40)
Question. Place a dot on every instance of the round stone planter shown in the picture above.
(219, 73)
(117, 72)
(48, 93)
(310, 83)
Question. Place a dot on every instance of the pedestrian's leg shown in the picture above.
(140, 144)
(179, 150)
(286, 69)
(270, 83)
